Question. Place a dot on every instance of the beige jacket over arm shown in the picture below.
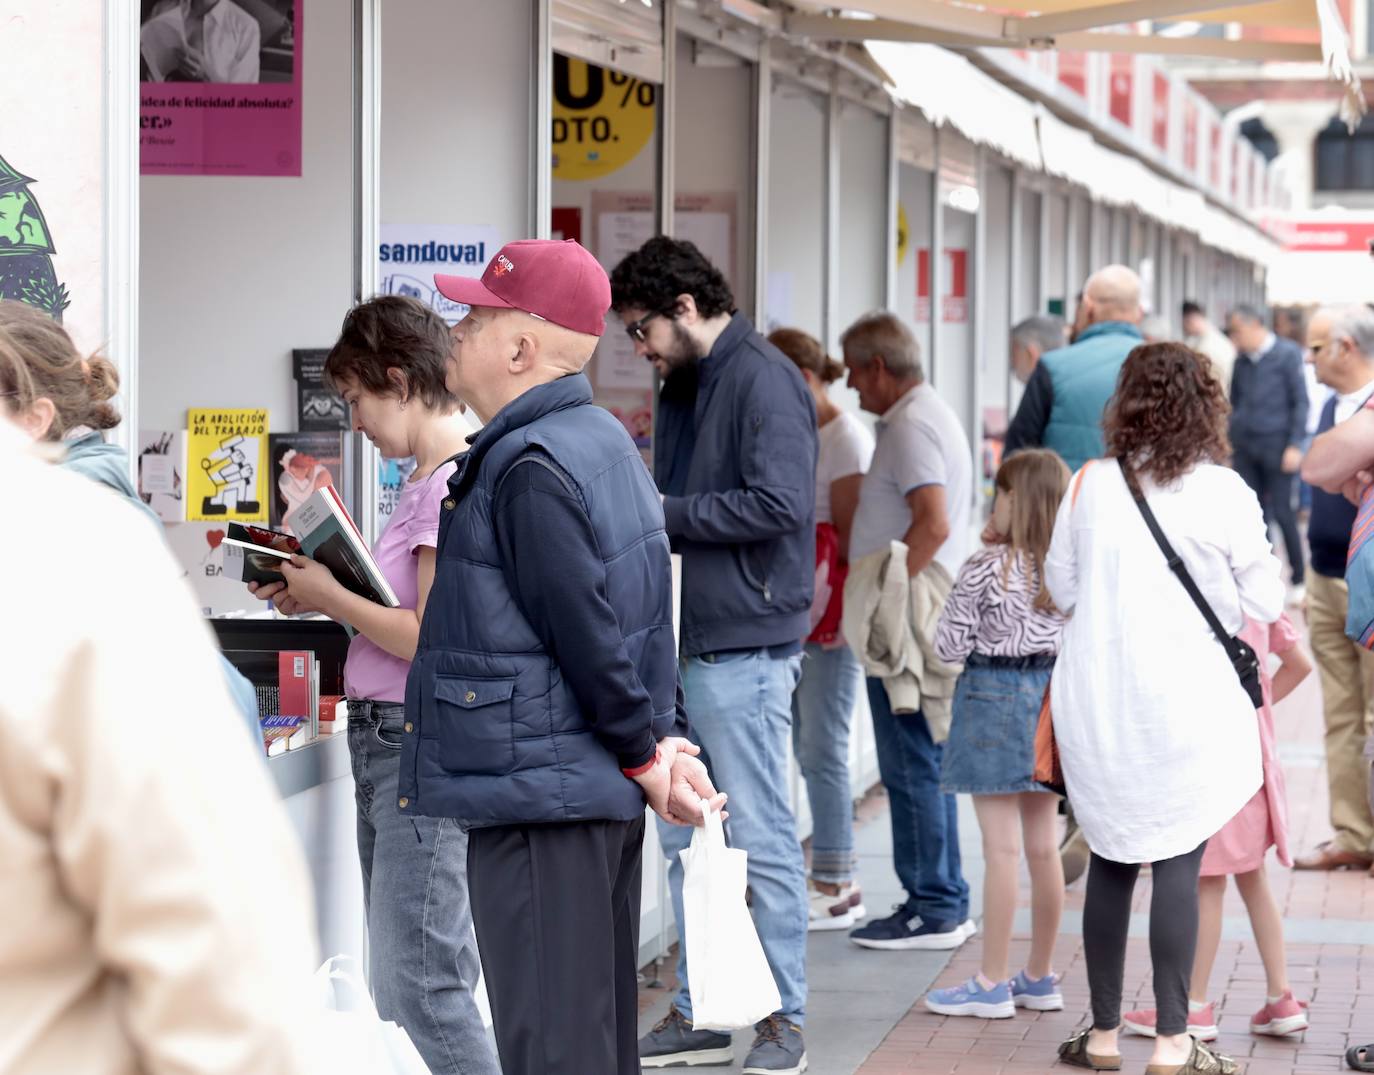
(157, 912)
(890, 621)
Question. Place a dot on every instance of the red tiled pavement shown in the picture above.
(1337, 978)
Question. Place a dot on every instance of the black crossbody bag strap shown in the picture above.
(1242, 657)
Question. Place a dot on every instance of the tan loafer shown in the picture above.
(1328, 856)
(1201, 1061)
(1075, 1052)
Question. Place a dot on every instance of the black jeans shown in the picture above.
(1260, 462)
(557, 914)
(1173, 936)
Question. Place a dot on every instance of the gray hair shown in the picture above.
(1353, 323)
(1245, 312)
(884, 334)
(1042, 330)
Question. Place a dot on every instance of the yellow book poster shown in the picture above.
(226, 466)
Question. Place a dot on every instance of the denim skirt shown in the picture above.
(991, 745)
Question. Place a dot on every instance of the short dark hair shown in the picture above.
(662, 269)
(1190, 308)
(394, 332)
(1246, 312)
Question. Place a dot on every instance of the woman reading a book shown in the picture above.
(389, 365)
(65, 402)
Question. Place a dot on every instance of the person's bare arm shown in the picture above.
(844, 502)
(1340, 453)
(1296, 667)
(929, 527)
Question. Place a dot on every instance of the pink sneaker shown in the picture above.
(1285, 1016)
(1202, 1024)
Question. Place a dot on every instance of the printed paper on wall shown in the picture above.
(226, 465)
(221, 92)
(410, 254)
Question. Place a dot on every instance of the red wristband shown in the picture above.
(640, 770)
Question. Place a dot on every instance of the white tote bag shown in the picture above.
(731, 983)
(350, 1037)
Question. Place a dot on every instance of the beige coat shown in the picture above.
(157, 911)
(890, 621)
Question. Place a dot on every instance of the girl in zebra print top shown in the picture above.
(1000, 622)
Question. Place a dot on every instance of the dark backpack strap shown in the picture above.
(1177, 566)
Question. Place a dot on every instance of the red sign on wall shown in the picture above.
(1325, 235)
(1190, 118)
(1122, 86)
(954, 301)
(1073, 71)
(1235, 170)
(1159, 112)
(1214, 157)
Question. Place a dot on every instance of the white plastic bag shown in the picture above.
(352, 1038)
(731, 983)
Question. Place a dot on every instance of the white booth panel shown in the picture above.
(1056, 266)
(914, 194)
(955, 362)
(234, 271)
(1081, 255)
(863, 211)
(795, 295)
(994, 313)
(715, 174)
(443, 162)
(1026, 298)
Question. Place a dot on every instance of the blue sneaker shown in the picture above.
(904, 930)
(972, 999)
(1038, 995)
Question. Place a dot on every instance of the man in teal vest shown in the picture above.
(1066, 395)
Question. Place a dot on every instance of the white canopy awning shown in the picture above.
(981, 109)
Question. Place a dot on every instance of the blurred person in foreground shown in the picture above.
(1208, 340)
(69, 410)
(143, 862)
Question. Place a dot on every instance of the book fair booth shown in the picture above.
(210, 238)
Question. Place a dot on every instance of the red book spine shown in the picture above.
(293, 683)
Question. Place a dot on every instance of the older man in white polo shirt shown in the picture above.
(919, 490)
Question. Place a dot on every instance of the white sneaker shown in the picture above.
(969, 928)
(841, 911)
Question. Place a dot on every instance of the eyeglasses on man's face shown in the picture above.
(635, 329)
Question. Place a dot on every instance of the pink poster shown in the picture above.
(221, 87)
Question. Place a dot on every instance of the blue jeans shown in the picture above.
(822, 711)
(925, 821)
(423, 962)
(740, 708)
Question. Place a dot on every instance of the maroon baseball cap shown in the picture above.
(556, 281)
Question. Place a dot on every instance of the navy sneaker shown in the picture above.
(673, 1043)
(904, 930)
(778, 1048)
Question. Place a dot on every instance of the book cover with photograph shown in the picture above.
(301, 464)
(226, 465)
(162, 472)
(318, 406)
(255, 554)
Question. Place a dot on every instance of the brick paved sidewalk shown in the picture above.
(1329, 922)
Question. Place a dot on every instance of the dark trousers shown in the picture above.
(925, 821)
(1260, 462)
(557, 914)
(1173, 936)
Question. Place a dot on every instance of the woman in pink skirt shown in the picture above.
(1238, 850)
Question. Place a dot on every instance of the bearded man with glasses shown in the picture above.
(735, 459)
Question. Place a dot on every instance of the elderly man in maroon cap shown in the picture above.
(543, 706)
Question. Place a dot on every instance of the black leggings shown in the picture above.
(1173, 936)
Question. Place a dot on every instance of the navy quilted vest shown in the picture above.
(497, 736)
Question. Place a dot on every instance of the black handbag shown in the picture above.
(1242, 656)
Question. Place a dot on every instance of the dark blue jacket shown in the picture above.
(1269, 398)
(506, 728)
(1328, 529)
(742, 511)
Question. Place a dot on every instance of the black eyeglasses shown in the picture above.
(635, 329)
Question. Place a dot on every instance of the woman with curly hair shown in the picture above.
(1159, 741)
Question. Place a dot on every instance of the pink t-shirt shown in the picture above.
(370, 671)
